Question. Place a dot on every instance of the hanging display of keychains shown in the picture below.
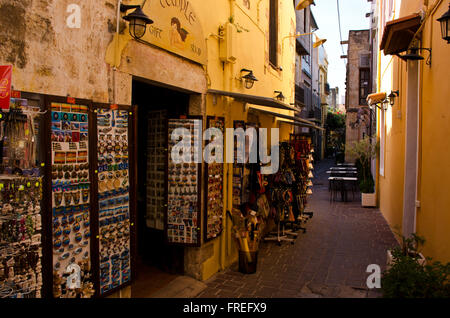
(214, 187)
(113, 195)
(20, 203)
(183, 209)
(70, 201)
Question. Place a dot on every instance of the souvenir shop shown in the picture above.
(65, 193)
(84, 212)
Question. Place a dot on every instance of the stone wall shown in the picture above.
(356, 121)
(48, 56)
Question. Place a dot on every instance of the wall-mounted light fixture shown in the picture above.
(392, 97)
(445, 25)
(304, 4)
(138, 20)
(413, 55)
(280, 96)
(319, 42)
(249, 79)
(382, 100)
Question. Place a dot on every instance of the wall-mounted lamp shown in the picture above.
(138, 20)
(445, 25)
(249, 78)
(304, 4)
(381, 100)
(280, 96)
(392, 97)
(413, 55)
(319, 42)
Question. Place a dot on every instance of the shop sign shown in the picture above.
(5, 86)
(176, 28)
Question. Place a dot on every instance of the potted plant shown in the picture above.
(410, 247)
(410, 275)
(364, 151)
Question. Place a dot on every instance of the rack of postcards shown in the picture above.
(183, 185)
(70, 200)
(114, 198)
(20, 201)
(214, 185)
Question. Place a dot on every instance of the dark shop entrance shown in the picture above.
(156, 262)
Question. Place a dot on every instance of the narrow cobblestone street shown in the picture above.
(329, 260)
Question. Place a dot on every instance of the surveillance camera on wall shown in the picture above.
(280, 68)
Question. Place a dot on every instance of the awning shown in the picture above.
(399, 33)
(254, 99)
(291, 119)
(297, 123)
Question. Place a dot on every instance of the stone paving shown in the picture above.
(329, 260)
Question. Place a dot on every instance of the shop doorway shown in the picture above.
(156, 262)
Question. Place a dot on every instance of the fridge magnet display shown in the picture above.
(70, 205)
(214, 191)
(113, 195)
(183, 209)
(156, 169)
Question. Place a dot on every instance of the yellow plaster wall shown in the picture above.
(433, 215)
(251, 52)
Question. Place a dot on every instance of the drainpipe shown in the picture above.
(411, 149)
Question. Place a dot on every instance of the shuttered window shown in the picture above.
(364, 80)
(273, 32)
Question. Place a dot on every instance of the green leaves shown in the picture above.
(407, 278)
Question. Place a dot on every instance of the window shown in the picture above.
(364, 60)
(273, 32)
(304, 21)
(364, 80)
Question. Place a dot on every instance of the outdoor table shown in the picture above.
(342, 187)
(342, 171)
(346, 164)
(343, 168)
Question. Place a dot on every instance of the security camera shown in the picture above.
(280, 68)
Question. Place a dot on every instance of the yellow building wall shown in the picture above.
(251, 47)
(391, 183)
(433, 215)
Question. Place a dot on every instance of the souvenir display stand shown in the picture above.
(65, 183)
(114, 219)
(250, 206)
(289, 188)
(21, 200)
(156, 169)
(213, 225)
(183, 217)
(71, 197)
